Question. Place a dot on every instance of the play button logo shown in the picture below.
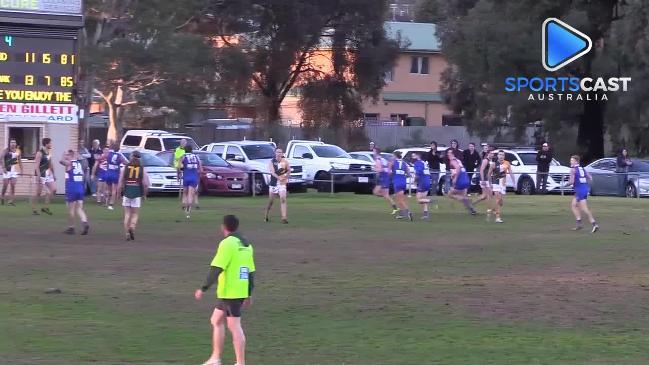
(562, 44)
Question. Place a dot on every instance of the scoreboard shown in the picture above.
(37, 70)
(38, 50)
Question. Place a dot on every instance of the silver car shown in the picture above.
(607, 182)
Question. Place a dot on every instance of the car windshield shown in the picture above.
(148, 160)
(330, 152)
(172, 142)
(528, 158)
(212, 159)
(640, 166)
(259, 151)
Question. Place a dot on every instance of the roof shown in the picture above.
(418, 37)
(245, 142)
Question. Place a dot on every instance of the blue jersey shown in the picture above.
(399, 173)
(462, 180)
(422, 171)
(383, 172)
(74, 182)
(114, 159)
(189, 164)
(581, 179)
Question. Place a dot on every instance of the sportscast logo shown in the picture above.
(561, 45)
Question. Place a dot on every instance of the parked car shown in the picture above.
(218, 177)
(255, 156)
(368, 156)
(524, 166)
(407, 154)
(163, 178)
(153, 141)
(605, 180)
(322, 161)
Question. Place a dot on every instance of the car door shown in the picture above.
(235, 156)
(609, 181)
(601, 172)
(308, 167)
(219, 149)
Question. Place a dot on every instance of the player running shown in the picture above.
(75, 190)
(115, 160)
(191, 168)
(233, 269)
(382, 169)
(422, 179)
(460, 181)
(579, 179)
(400, 172)
(99, 174)
(11, 167)
(134, 183)
(498, 172)
(485, 184)
(45, 177)
(280, 171)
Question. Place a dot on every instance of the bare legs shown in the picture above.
(385, 193)
(9, 184)
(75, 209)
(131, 216)
(283, 206)
(189, 199)
(577, 208)
(219, 321)
(51, 190)
(424, 201)
(460, 195)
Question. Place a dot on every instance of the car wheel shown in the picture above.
(322, 183)
(526, 186)
(631, 191)
(259, 184)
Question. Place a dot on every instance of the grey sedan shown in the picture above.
(607, 182)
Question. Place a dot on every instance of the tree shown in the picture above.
(473, 39)
(134, 52)
(280, 39)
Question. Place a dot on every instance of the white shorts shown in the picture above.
(10, 175)
(277, 190)
(47, 179)
(497, 188)
(131, 203)
(485, 184)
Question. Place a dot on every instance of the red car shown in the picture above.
(218, 177)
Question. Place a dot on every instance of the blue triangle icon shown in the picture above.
(562, 44)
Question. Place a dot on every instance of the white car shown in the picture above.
(322, 162)
(255, 156)
(368, 156)
(162, 177)
(524, 166)
(153, 141)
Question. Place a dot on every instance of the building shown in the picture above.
(412, 94)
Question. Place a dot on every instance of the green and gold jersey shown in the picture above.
(133, 177)
(45, 162)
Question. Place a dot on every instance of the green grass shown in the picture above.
(344, 283)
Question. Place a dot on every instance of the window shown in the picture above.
(373, 117)
(211, 159)
(512, 159)
(419, 65)
(171, 143)
(330, 152)
(133, 141)
(234, 153)
(388, 76)
(605, 165)
(218, 148)
(260, 151)
(528, 158)
(299, 151)
(28, 140)
(153, 143)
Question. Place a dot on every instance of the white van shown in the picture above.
(153, 141)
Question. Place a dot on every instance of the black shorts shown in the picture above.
(231, 307)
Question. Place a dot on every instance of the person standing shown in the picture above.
(623, 164)
(579, 179)
(499, 171)
(179, 152)
(434, 164)
(471, 161)
(233, 267)
(134, 183)
(485, 184)
(10, 167)
(372, 145)
(422, 179)
(543, 161)
(115, 161)
(400, 173)
(456, 152)
(382, 188)
(95, 153)
(192, 169)
(75, 190)
(98, 175)
(461, 182)
(44, 174)
(280, 171)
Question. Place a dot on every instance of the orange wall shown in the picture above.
(404, 81)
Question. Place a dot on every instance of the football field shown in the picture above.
(343, 283)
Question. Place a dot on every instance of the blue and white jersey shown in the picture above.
(189, 164)
(399, 172)
(421, 169)
(74, 176)
(581, 179)
(385, 165)
(114, 159)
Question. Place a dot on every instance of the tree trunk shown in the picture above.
(590, 135)
(111, 137)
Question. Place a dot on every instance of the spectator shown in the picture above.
(622, 170)
(447, 176)
(95, 153)
(485, 150)
(372, 145)
(471, 160)
(543, 161)
(434, 162)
